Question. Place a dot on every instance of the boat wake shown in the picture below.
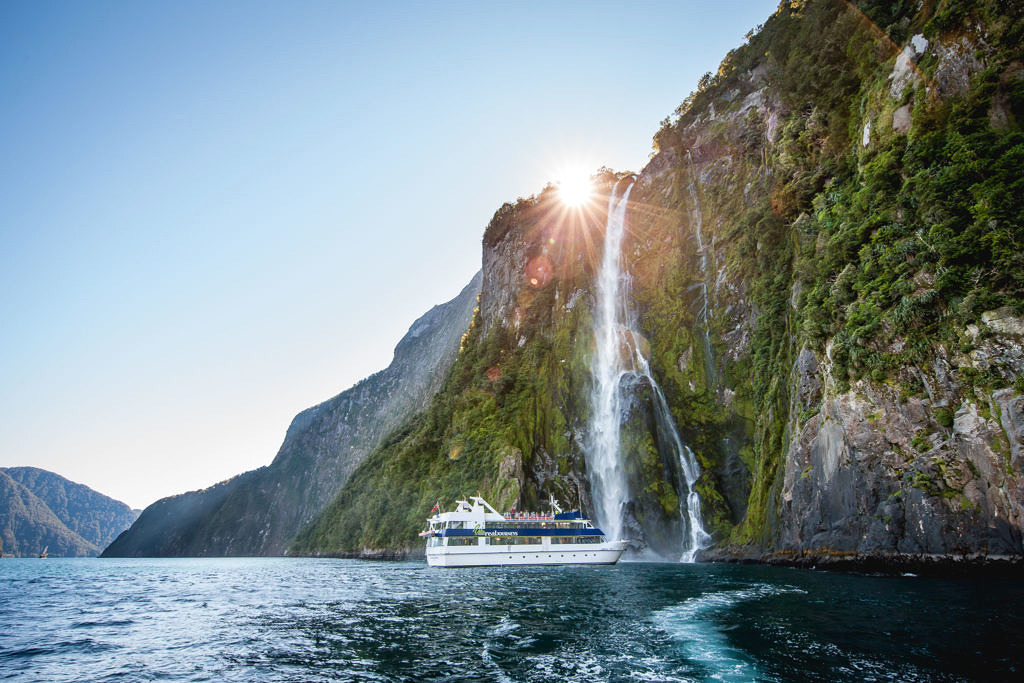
(696, 625)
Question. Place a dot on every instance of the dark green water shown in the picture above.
(308, 620)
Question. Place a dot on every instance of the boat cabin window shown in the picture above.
(514, 540)
(576, 539)
(462, 540)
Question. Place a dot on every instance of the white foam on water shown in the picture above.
(703, 640)
(493, 667)
(504, 627)
(573, 666)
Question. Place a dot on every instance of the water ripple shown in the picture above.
(310, 620)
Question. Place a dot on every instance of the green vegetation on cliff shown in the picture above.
(505, 421)
(845, 190)
(868, 209)
(42, 510)
(259, 512)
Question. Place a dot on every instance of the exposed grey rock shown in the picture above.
(503, 267)
(999, 345)
(1000, 115)
(957, 63)
(808, 382)
(919, 43)
(856, 482)
(661, 164)
(1004, 322)
(1010, 410)
(901, 119)
(684, 359)
(904, 72)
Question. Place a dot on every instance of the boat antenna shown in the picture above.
(555, 507)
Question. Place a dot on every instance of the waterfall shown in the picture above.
(618, 356)
(608, 478)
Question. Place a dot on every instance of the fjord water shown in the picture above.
(308, 620)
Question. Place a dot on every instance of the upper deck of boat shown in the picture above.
(482, 514)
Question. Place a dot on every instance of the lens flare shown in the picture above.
(539, 271)
(574, 186)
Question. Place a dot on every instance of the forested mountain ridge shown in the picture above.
(825, 252)
(40, 510)
(260, 511)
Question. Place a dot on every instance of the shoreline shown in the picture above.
(930, 565)
(933, 565)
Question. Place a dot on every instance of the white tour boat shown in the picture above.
(477, 535)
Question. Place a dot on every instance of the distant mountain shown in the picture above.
(260, 511)
(29, 524)
(96, 518)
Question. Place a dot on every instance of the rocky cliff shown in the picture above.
(258, 512)
(848, 180)
(40, 509)
(825, 254)
(511, 412)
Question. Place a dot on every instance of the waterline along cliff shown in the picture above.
(809, 342)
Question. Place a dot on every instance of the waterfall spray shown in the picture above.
(618, 355)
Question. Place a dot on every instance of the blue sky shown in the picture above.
(215, 215)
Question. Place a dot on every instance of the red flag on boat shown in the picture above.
(436, 508)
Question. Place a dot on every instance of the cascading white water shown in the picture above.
(697, 537)
(607, 477)
(618, 354)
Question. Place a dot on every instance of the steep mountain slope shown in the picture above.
(861, 212)
(509, 414)
(95, 517)
(826, 259)
(28, 526)
(258, 512)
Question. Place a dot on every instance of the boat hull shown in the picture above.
(520, 556)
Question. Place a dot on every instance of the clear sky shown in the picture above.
(216, 214)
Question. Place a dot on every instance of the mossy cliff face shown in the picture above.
(854, 177)
(508, 422)
(826, 253)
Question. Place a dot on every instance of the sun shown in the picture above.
(574, 186)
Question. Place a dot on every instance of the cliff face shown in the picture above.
(258, 512)
(825, 255)
(870, 473)
(42, 510)
(508, 420)
(849, 228)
